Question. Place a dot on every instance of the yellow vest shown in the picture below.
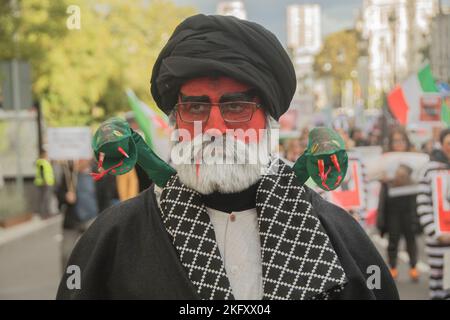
(44, 173)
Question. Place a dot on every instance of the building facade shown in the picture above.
(304, 41)
(232, 8)
(440, 46)
(398, 33)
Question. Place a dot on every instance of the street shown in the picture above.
(408, 290)
(30, 267)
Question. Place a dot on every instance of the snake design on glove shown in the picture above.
(118, 148)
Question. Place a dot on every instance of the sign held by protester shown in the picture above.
(69, 143)
(350, 195)
(440, 186)
(430, 108)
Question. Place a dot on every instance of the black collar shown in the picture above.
(229, 202)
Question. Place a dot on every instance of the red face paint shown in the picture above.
(214, 89)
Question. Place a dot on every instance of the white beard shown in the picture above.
(227, 165)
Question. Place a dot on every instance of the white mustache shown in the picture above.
(216, 149)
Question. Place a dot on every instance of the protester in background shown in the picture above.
(399, 141)
(428, 147)
(2, 180)
(304, 135)
(374, 138)
(77, 197)
(437, 150)
(143, 179)
(396, 214)
(397, 217)
(349, 143)
(107, 194)
(127, 185)
(44, 181)
(437, 245)
(357, 135)
(293, 149)
(282, 150)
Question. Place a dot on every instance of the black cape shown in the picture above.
(127, 254)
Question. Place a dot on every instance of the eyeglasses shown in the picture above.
(232, 112)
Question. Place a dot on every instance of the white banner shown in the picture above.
(71, 143)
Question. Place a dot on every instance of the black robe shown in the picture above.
(127, 254)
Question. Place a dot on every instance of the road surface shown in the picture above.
(30, 263)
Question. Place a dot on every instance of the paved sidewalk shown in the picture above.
(408, 290)
(30, 259)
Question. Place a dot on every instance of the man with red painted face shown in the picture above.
(234, 222)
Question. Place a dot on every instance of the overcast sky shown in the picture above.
(336, 14)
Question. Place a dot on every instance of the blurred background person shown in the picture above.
(397, 218)
(399, 141)
(374, 138)
(2, 180)
(357, 135)
(143, 179)
(304, 135)
(293, 149)
(127, 185)
(349, 143)
(44, 180)
(437, 245)
(106, 190)
(427, 147)
(78, 200)
(281, 150)
(396, 207)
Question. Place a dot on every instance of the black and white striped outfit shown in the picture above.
(434, 249)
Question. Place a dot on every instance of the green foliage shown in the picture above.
(80, 75)
(338, 57)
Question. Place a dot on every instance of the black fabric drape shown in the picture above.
(127, 254)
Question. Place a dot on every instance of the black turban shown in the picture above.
(224, 46)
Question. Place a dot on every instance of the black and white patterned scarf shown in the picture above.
(298, 260)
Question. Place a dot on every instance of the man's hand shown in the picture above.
(444, 238)
(71, 197)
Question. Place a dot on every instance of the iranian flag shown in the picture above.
(418, 99)
(147, 118)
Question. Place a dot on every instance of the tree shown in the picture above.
(81, 75)
(338, 59)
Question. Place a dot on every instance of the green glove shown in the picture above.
(325, 160)
(117, 149)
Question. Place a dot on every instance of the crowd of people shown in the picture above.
(405, 205)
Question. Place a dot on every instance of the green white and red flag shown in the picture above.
(409, 102)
